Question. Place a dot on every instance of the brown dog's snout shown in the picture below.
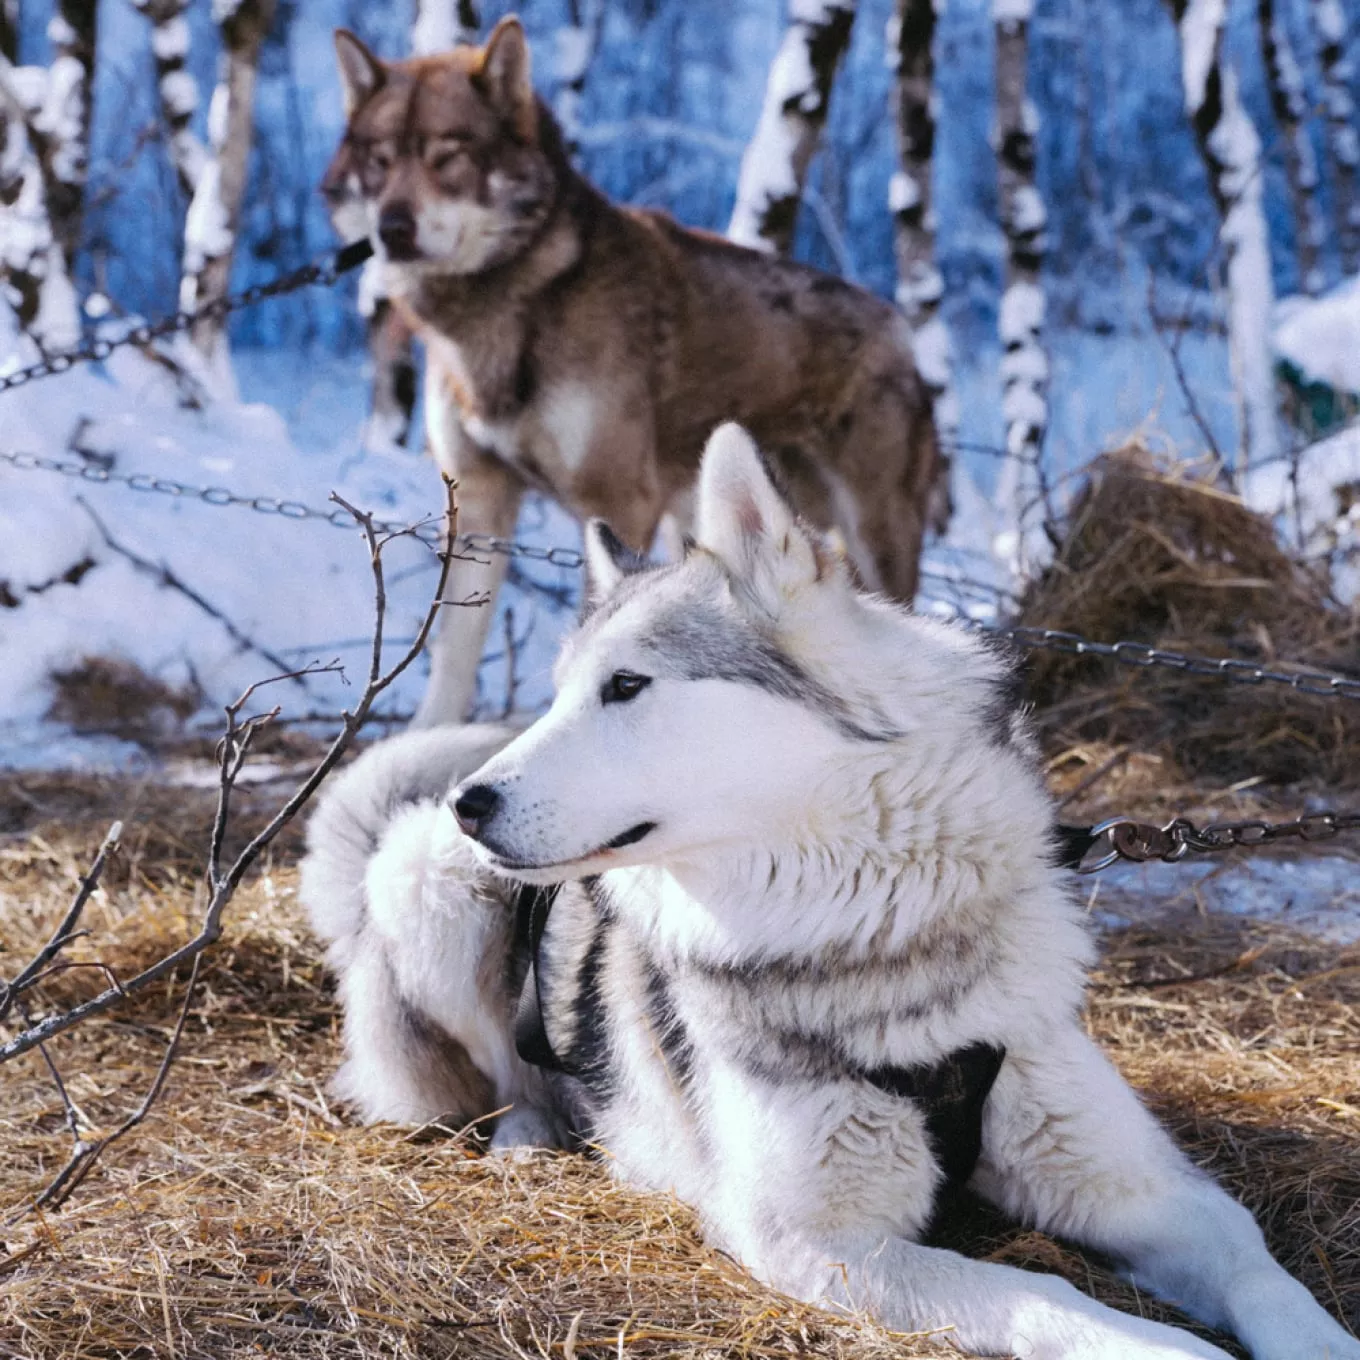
(397, 231)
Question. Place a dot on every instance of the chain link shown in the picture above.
(326, 271)
(338, 517)
(1235, 669)
(1138, 842)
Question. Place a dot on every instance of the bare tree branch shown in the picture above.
(235, 746)
(64, 933)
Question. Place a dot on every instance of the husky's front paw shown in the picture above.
(521, 1131)
(1276, 1318)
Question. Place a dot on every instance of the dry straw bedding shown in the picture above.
(1154, 553)
(249, 1217)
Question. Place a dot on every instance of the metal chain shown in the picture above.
(97, 349)
(1235, 669)
(338, 517)
(1139, 842)
(1224, 668)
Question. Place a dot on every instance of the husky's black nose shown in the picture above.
(475, 806)
(397, 231)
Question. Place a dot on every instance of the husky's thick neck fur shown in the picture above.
(842, 774)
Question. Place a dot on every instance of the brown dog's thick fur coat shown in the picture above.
(589, 350)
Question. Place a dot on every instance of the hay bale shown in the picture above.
(1151, 553)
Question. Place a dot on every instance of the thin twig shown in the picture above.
(62, 935)
(84, 1156)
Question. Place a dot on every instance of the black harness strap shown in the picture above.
(532, 905)
(952, 1094)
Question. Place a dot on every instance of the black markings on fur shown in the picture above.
(668, 1028)
(1007, 692)
(588, 1054)
(952, 1094)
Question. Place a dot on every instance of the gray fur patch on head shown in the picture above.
(696, 638)
(705, 643)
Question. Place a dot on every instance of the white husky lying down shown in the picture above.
(810, 910)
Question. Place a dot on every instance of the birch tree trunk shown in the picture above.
(176, 89)
(44, 154)
(1289, 101)
(576, 44)
(920, 285)
(441, 24)
(1343, 137)
(797, 92)
(1231, 152)
(62, 126)
(215, 209)
(1024, 220)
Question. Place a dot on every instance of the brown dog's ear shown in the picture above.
(504, 73)
(360, 71)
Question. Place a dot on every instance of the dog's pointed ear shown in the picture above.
(608, 560)
(361, 73)
(506, 75)
(744, 521)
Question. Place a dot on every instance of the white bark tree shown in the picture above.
(1231, 151)
(441, 24)
(797, 93)
(1343, 137)
(44, 159)
(920, 285)
(1024, 221)
(1289, 102)
(575, 43)
(214, 214)
(176, 88)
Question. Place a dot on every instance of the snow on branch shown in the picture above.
(797, 94)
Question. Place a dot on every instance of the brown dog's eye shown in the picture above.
(623, 686)
(445, 156)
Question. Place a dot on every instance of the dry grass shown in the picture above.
(1153, 555)
(247, 1217)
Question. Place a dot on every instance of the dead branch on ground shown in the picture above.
(222, 880)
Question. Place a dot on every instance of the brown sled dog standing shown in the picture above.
(590, 350)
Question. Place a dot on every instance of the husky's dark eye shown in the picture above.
(623, 686)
